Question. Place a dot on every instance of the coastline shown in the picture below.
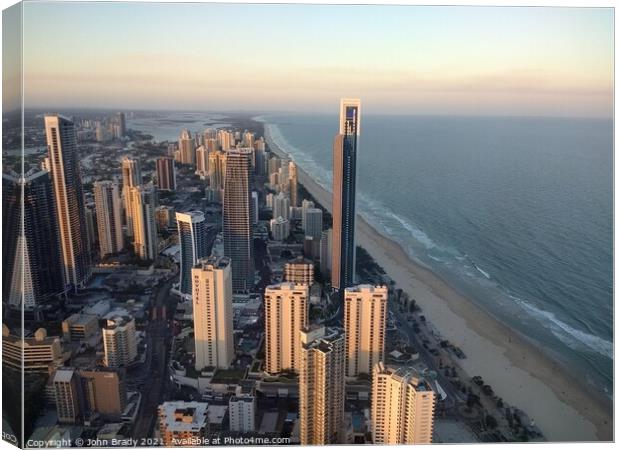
(518, 371)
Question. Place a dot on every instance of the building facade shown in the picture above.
(120, 346)
(69, 196)
(237, 219)
(143, 201)
(131, 172)
(166, 176)
(183, 424)
(321, 386)
(186, 148)
(104, 392)
(365, 316)
(402, 406)
(286, 313)
(242, 413)
(193, 241)
(67, 393)
(40, 353)
(109, 217)
(31, 258)
(343, 203)
(299, 271)
(213, 316)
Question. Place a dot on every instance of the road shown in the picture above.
(430, 360)
(158, 340)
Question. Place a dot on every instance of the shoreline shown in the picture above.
(518, 371)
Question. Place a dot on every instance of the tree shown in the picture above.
(491, 422)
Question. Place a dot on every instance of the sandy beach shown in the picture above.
(519, 372)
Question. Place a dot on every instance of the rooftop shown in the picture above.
(180, 416)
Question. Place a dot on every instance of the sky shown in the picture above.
(397, 59)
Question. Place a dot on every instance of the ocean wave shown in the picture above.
(568, 334)
(486, 275)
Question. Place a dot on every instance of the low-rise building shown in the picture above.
(181, 422)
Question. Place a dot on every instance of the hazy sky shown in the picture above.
(413, 59)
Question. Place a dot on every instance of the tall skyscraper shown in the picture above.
(286, 313)
(237, 219)
(186, 148)
(224, 138)
(365, 315)
(131, 172)
(213, 316)
(217, 170)
(343, 204)
(30, 243)
(165, 217)
(280, 228)
(305, 205)
(119, 340)
(313, 221)
(166, 177)
(193, 240)
(121, 124)
(109, 219)
(281, 206)
(62, 151)
(402, 406)
(143, 203)
(292, 174)
(321, 386)
(202, 161)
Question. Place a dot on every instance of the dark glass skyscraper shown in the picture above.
(237, 218)
(343, 205)
(67, 182)
(193, 242)
(30, 247)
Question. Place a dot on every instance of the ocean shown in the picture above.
(514, 213)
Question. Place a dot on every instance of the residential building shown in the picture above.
(104, 392)
(31, 258)
(299, 271)
(343, 203)
(213, 317)
(193, 241)
(402, 406)
(237, 219)
(313, 222)
(119, 340)
(131, 172)
(109, 217)
(242, 413)
(186, 148)
(280, 228)
(166, 174)
(69, 196)
(183, 424)
(67, 395)
(321, 386)
(365, 317)
(143, 201)
(39, 353)
(286, 313)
